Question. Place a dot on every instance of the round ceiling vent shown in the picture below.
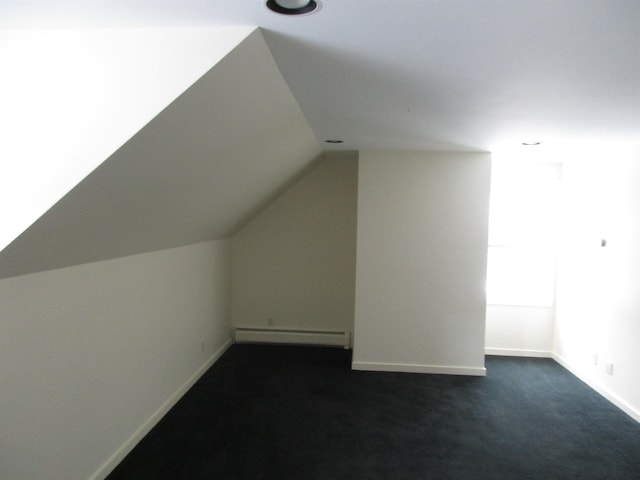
(293, 7)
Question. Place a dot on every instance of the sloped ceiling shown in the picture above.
(196, 172)
(69, 98)
(381, 75)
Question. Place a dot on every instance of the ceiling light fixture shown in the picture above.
(529, 144)
(293, 7)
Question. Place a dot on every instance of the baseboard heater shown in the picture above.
(292, 337)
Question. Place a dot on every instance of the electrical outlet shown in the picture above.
(594, 359)
(270, 322)
(202, 345)
(608, 367)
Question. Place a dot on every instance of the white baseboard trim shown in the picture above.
(601, 389)
(512, 352)
(415, 368)
(117, 457)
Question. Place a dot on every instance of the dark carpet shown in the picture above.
(267, 412)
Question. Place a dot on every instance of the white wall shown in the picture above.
(598, 297)
(294, 263)
(421, 262)
(519, 331)
(91, 356)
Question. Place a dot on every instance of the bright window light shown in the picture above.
(523, 226)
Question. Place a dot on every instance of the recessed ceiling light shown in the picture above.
(529, 144)
(334, 141)
(293, 7)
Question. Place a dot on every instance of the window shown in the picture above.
(523, 226)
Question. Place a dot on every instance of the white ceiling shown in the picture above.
(424, 74)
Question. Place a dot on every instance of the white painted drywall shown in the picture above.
(421, 261)
(91, 356)
(198, 171)
(519, 331)
(70, 98)
(294, 263)
(598, 299)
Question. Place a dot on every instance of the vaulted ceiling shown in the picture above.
(379, 75)
(211, 159)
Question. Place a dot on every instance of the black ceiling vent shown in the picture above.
(293, 7)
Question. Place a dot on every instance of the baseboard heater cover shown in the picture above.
(292, 337)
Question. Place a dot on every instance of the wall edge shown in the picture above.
(599, 388)
(129, 444)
